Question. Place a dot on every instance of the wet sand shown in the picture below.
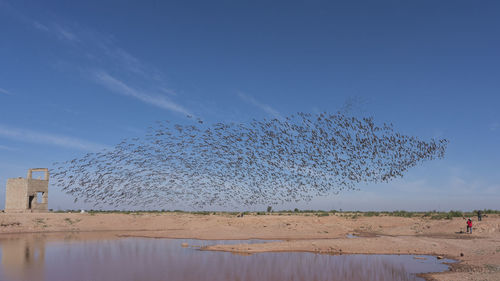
(479, 253)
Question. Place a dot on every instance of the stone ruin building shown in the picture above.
(28, 195)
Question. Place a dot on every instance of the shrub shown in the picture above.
(322, 214)
(401, 213)
(455, 214)
(371, 214)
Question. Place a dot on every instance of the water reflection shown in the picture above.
(23, 259)
(74, 258)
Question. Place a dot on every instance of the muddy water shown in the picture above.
(77, 257)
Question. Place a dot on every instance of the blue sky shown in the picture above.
(81, 76)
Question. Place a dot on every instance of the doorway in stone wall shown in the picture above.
(30, 201)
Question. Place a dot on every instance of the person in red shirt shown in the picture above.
(469, 226)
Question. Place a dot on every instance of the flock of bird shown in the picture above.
(268, 161)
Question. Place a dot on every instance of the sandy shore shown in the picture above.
(479, 253)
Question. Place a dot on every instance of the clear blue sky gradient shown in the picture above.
(79, 76)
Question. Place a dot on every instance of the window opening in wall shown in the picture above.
(39, 196)
(38, 175)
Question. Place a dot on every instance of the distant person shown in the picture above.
(469, 226)
(479, 215)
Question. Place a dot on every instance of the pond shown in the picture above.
(86, 257)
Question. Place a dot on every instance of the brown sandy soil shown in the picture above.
(479, 253)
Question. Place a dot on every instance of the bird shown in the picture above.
(294, 158)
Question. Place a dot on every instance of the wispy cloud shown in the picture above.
(494, 126)
(4, 147)
(168, 91)
(131, 76)
(64, 33)
(266, 108)
(40, 26)
(3, 91)
(95, 50)
(120, 87)
(52, 139)
(57, 30)
(128, 62)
